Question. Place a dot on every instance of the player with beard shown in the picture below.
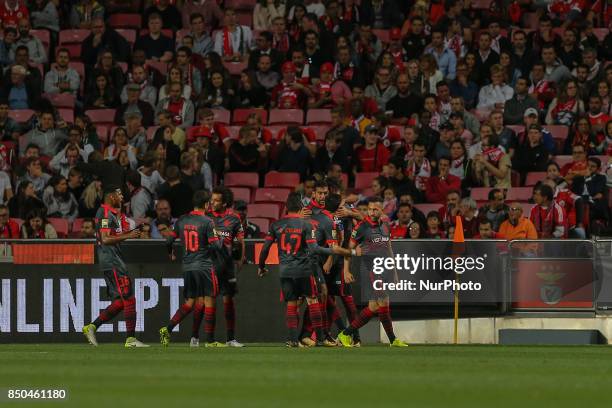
(229, 228)
(297, 244)
(372, 235)
(110, 232)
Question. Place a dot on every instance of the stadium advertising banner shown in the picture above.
(51, 302)
(430, 271)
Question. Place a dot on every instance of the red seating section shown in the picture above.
(278, 179)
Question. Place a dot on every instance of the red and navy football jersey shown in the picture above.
(297, 244)
(197, 233)
(108, 219)
(372, 236)
(228, 227)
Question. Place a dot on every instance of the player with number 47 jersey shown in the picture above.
(201, 284)
(296, 246)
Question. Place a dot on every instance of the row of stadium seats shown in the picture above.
(62, 226)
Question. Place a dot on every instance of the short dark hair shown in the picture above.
(294, 202)
(133, 177)
(267, 35)
(200, 198)
(375, 199)
(332, 202)
(492, 193)
(484, 221)
(546, 191)
(398, 162)
(322, 183)
(195, 16)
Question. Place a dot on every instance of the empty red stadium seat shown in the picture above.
(534, 177)
(527, 208)
(364, 180)
(79, 67)
(242, 193)
(240, 115)
(61, 100)
(480, 193)
(43, 35)
(77, 224)
(20, 115)
(238, 179)
(320, 131)
(318, 117)
(101, 116)
(72, 36)
(270, 211)
(262, 223)
(60, 225)
(515, 178)
(67, 115)
(129, 35)
(125, 20)
(235, 68)
(272, 195)
(286, 117)
(102, 132)
(519, 194)
(160, 66)
(278, 179)
(222, 116)
(427, 208)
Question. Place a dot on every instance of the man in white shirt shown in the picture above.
(495, 95)
(234, 41)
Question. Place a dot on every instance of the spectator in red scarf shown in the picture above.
(234, 41)
(542, 90)
(547, 216)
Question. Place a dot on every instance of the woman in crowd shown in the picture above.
(36, 226)
(101, 94)
(168, 152)
(217, 93)
(91, 199)
(120, 144)
(174, 75)
(25, 201)
(59, 201)
(250, 94)
(566, 107)
(265, 11)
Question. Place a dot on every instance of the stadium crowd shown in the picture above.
(496, 111)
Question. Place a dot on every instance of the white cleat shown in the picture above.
(234, 343)
(133, 342)
(194, 343)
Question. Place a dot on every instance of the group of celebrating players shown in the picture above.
(316, 239)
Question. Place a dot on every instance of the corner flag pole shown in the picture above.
(458, 248)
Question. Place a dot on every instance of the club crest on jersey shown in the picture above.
(104, 223)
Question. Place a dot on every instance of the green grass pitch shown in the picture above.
(273, 376)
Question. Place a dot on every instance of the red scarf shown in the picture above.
(564, 107)
(493, 154)
(176, 108)
(228, 49)
(281, 44)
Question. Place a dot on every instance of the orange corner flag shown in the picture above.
(458, 236)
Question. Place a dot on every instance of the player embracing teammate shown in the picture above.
(199, 240)
(297, 244)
